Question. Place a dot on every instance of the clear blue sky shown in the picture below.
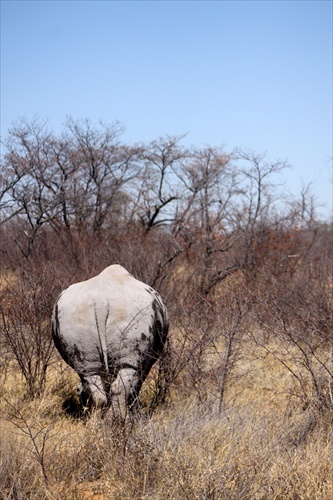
(251, 74)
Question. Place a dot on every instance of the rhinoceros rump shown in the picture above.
(110, 329)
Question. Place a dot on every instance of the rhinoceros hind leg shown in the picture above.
(124, 391)
(92, 391)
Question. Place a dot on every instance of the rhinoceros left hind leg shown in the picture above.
(124, 391)
(92, 391)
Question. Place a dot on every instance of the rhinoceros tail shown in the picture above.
(101, 330)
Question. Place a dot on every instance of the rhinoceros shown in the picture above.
(110, 329)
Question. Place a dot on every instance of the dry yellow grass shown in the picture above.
(260, 447)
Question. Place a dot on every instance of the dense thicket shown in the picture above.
(213, 231)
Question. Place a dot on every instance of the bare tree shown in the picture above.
(43, 193)
(157, 189)
(27, 161)
(104, 167)
(211, 183)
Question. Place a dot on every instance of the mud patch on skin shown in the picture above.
(77, 355)
(80, 313)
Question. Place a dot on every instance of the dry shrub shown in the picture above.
(295, 323)
(26, 304)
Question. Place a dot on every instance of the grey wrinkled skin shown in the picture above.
(110, 329)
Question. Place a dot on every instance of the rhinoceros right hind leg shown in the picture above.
(124, 391)
(92, 391)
